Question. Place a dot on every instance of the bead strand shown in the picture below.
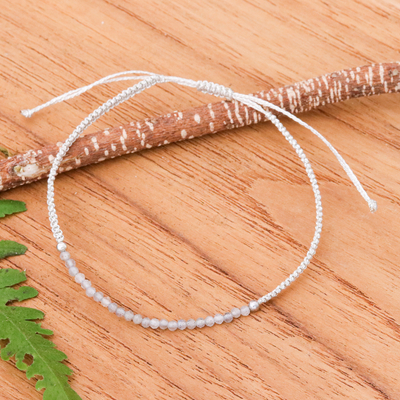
(146, 322)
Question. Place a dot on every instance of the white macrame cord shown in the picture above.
(146, 80)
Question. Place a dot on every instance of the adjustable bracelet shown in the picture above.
(146, 80)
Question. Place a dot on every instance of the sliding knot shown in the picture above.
(214, 89)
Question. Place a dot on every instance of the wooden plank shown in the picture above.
(197, 227)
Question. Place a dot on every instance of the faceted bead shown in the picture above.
(191, 323)
(228, 317)
(219, 319)
(210, 321)
(182, 324)
(163, 324)
(64, 255)
(245, 310)
(172, 325)
(129, 315)
(235, 312)
(146, 322)
(200, 323)
(154, 323)
(112, 307)
(137, 319)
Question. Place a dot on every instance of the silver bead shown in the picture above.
(253, 305)
(245, 310)
(146, 322)
(235, 312)
(129, 315)
(137, 319)
(172, 325)
(209, 321)
(64, 255)
(79, 278)
(112, 307)
(105, 301)
(163, 324)
(219, 319)
(200, 323)
(228, 317)
(86, 284)
(191, 324)
(182, 324)
(98, 296)
(61, 247)
(73, 271)
(90, 292)
(154, 323)
(120, 312)
(70, 263)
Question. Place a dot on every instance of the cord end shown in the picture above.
(27, 113)
(373, 206)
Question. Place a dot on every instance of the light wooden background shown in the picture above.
(197, 227)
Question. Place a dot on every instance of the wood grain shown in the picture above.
(202, 225)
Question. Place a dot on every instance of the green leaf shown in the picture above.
(8, 207)
(25, 338)
(10, 248)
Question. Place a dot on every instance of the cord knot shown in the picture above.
(214, 89)
(373, 206)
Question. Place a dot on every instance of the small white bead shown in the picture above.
(219, 319)
(98, 296)
(120, 312)
(70, 263)
(235, 312)
(64, 255)
(154, 323)
(228, 317)
(86, 284)
(79, 278)
(245, 310)
(73, 271)
(182, 324)
(146, 322)
(163, 324)
(210, 321)
(253, 305)
(172, 325)
(61, 247)
(191, 324)
(200, 323)
(105, 301)
(111, 307)
(90, 291)
(137, 319)
(129, 315)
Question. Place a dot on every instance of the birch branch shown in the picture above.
(210, 118)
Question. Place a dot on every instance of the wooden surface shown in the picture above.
(197, 227)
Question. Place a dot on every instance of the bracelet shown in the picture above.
(146, 81)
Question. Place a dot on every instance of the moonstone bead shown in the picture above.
(90, 291)
(79, 278)
(98, 296)
(73, 271)
(64, 255)
(245, 310)
(86, 284)
(191, 324)
(120, 312)
(137, 319)
(163, 324)
(172, 325)
(112, 307)
(253, 305)
(235, 312)
(200, 323)
(105, 301)
(129, 315)
(219, 319)
(182, 324)
(70, 263)
(210, 321)
(61, 247)
(228, 317)
(146, 322)
(154, 323)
